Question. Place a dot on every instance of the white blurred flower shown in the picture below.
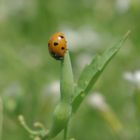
(11, 7)
(84, 36)
(13, 89)
(97, 101)
(133, 77)
(83, 59)
(122, 6)
(52, 89)
(12, 95)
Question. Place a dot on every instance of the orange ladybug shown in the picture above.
(57, 45)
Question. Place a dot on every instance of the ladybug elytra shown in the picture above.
(57, 45)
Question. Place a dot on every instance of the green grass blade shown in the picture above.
(1, 118)
(92, 72)
(66, 79)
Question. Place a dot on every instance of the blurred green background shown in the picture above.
(29, 77)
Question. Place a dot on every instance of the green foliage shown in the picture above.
(29, 77)
(61, 117)
(63, 110)
(66, 79)
(91, 72)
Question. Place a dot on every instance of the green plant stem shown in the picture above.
(63, 110)
(1, 118)
(66, 85)
(25, 126)
(66, 79)
(65, 132)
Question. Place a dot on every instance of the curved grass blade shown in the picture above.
(92, 72)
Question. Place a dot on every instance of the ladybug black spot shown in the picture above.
(61, 36)
(55, 43)
(62, 48)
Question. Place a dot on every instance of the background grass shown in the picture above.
(29, 77)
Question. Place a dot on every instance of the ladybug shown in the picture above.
(57, 45)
